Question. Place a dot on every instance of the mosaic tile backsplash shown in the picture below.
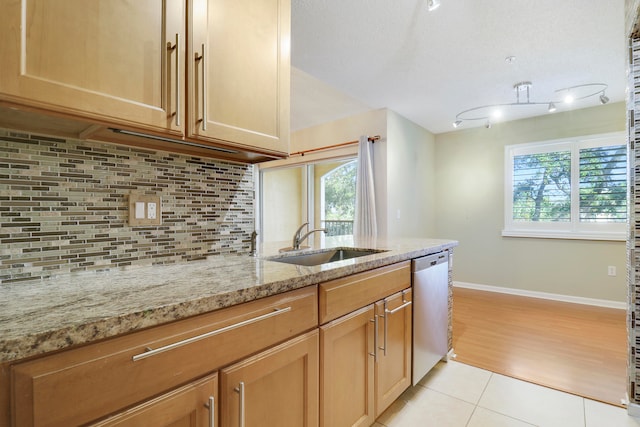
(64, 206)
(633, 241)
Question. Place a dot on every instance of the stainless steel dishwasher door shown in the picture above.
(430, 276)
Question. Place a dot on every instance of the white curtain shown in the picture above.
(365, 221)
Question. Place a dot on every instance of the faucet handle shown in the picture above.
(299, 230)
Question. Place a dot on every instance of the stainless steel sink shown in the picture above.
(324, 256)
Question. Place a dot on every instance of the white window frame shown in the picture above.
(573, 229)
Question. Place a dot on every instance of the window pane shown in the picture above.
(542, 187)
(339, 198)
(603, 184)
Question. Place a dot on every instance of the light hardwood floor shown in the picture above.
(574, 348)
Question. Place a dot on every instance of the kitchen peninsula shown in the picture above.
(72, 311)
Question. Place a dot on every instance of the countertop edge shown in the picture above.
(56, 339)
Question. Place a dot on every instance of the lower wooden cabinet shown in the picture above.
(89, 383)
(346, 384)
(366, 361)
(393, 364)
(278, 387)
(193, 405)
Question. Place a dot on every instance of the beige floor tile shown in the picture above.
(485, 418)
(531, 403)
(458, 380)
(428, 408)
(602, 415)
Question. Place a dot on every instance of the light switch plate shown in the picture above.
(144, 209)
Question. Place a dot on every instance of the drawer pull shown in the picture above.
(150, 352)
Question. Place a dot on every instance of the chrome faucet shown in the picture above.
(298, 238)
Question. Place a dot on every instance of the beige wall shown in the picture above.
(348, 129)
(469, 208)
(283, 212)
(410, 186)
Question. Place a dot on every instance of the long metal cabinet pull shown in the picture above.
(204, 89)
(375, 338)
(388, 312)
(152, 352)
(178, 101)
(176, 48)
(240, 390)
(395, 310)
(212, 411)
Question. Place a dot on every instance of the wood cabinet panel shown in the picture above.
(341, 296)
(239, 72)
(279, 386)
(97, 59)
(393, 365)
(188, 406)
(83, 384)
(347, 370)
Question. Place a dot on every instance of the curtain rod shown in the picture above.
(328, 147)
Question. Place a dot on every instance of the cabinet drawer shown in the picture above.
(80, 385)
(341, 296)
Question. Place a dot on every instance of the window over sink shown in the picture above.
(321, 193)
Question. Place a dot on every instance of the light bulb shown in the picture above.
(552, 107)
(569, 98)
(433, 5)
(457, 123)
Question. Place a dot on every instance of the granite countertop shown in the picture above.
(72, 309)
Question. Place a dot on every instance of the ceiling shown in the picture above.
(351, 56)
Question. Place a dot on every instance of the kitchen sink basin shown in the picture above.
(324, 256)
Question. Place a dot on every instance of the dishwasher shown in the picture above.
(430, 278)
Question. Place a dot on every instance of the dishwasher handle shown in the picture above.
(429, 261)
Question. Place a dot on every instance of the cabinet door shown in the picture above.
(99, 59)
(239, 72)
(393, 367)
(194, 405)
(276, 388)
(346, 381)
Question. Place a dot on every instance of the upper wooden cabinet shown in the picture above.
(203, 73)
(98, 59)
(239, 71)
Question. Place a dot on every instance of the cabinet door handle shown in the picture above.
(375, 338)
(203, 59)
(176, 48)
(387, 313)
(212, 411)
(397, 309)
(240, 391)
(152, 352)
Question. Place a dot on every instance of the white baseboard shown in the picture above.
(543, 295)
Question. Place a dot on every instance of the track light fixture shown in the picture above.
(433, 5)
(567, 95)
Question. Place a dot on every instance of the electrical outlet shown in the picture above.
(144, 209)
(151, 210)
(611, 270)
